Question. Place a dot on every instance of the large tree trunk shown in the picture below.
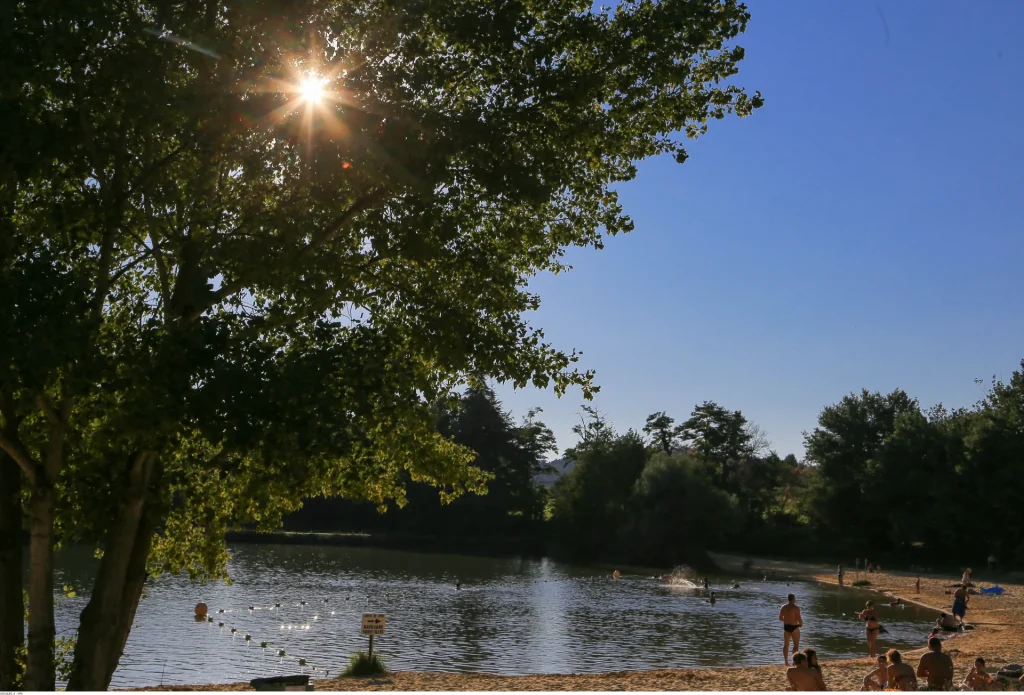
(107, 619)
(12, 606)
(41, 632)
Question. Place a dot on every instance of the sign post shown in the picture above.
(373, 624)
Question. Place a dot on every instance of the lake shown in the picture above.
(511, 616)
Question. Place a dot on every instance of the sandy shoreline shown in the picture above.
(998, 637)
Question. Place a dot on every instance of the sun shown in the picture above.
(312, 89)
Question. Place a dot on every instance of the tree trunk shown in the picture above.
(107, 619)
(41, 674)
(12, 606)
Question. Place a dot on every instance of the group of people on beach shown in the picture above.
(891, 671)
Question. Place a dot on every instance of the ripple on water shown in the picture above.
(512, 616)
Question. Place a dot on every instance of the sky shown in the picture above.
(862, 230)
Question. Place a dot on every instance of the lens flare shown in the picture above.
(312, 89)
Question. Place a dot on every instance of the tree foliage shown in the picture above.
(221, 298)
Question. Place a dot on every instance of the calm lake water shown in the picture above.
(512, 616)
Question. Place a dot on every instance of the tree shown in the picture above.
(590, 505)
(660, 428)
(843, 447)
(720, 439)
(12, 609)
(221, 297)
(512, 456)
(676, 514)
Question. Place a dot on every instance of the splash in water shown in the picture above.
(682, 576)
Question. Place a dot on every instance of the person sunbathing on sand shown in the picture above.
(791, 623)
(900, 675)
(876, 679)
(977, 678)
(947, 623)
(801, 678)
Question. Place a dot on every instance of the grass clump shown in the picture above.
(861, 582)
(362, 664)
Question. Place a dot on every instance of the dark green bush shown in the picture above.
(362, 664)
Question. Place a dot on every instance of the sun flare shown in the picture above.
(312, 89)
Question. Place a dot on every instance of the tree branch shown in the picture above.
(51, 415)
(362, 203)
(125, 268)
(9, 441)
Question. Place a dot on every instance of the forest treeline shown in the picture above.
(882, 477)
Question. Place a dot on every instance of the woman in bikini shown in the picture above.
(870, 618)
(901, 675)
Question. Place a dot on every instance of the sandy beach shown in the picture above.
(998, 637)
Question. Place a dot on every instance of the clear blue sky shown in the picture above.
(863, 229)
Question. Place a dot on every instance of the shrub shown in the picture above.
(362, 664)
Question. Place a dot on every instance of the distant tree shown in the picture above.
(662, 431)
(720, 438)
(589, 506)
(758, 443)
(843, 448)
(675, 514)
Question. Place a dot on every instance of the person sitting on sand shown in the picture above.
(812, 661)
(876, 679)
(871, 626)
(966, 579)
(791, 619)
(947, 623)
(900, 675)
(801, 678)
(960, 599)
(977, 678)
(936, 666)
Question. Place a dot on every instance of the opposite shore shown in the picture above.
(998, 637)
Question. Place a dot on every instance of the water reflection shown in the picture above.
(513, 616)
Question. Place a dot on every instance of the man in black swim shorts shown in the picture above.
(791, 623)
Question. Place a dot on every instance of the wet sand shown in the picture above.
(998, 637)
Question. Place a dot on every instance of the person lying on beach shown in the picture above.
(801, 678)
(791, 619)
(977, 678)
(936, 666)
(876, 679)
(900, 675)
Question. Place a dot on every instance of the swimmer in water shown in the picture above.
(735, 586)
(458, 584)
(712, 598)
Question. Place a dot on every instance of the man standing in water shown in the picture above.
(791, 623)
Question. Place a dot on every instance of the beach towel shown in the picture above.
(993, 590)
